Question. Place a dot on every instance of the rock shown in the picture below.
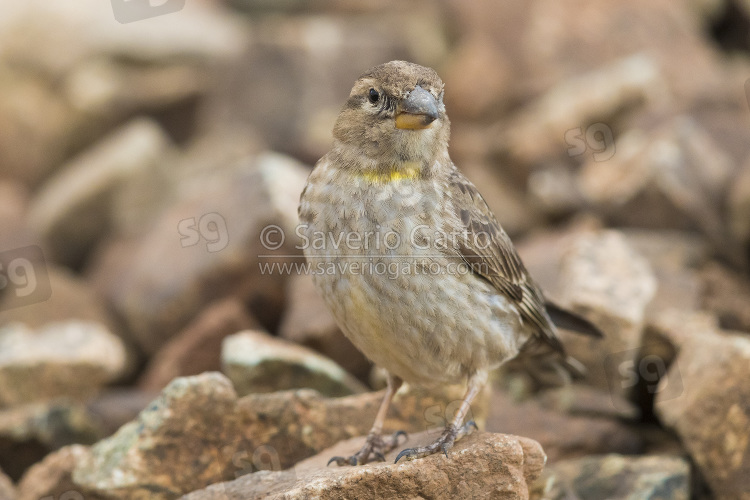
(14, 230)
(476, 58)
(576, 117)
(738, 205)
(115, 407)
(585, 433)
(481, 465)
(73, 359)
(298, 424)
(29, 432)
(86, 73)
(197, 348)
(208, 246)
(608, 282)
(52, 476)
(712, 415)
(615, 477)
(307, 321)
(7, 490)
(147, 457)
(675, 257)
(542, 252)
(71, 298)
(256, 362)
(75, 208)
(727, 296)
(672, 175)
(294, 49)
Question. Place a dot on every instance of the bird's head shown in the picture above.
(395, 114)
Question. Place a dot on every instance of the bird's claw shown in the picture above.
(375, 446)
(445, 442)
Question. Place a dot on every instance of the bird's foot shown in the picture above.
(450, 435)
(374, 446)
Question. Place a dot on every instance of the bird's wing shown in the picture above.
(486, 248)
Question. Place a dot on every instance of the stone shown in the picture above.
(738, 206)
(7, 489)
(207, 246)
(183, 441)
(675, 257)
(52, 476)
(542, 252)
(257, 362)
(711, 416)
(71, 298)
(294, 49)
(585, 433)
(727, 295)
(29, 432)
(299, 424)
(86, 73)
(197, 348)
(575, 117)
(481, 465)
(115, 407)
(668, 175)
(609, 283)
(308, 322)
(476, 58)
(72, 358)
(74, 209)
(617, 477)
(14, 230)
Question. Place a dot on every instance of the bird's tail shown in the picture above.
(563, 318)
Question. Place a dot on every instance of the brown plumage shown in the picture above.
(389, 177)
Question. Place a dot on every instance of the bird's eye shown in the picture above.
(373, 95)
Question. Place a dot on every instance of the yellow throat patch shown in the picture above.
(406, 171)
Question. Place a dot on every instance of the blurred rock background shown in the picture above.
(149, 169)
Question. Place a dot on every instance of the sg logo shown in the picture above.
(598, 137)
(128, 11)
(23, 277)
(211, 226)
(627, 369)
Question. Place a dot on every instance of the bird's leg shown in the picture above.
(375, 445)
(456, 429)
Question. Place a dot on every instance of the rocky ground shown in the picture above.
(150, 171)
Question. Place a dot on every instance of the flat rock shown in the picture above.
(481, 465)
(307, 321)
(183, 441)
(711, 415)
(52, 476)
(257, 362)
(299, 424)
(608, 282)
(73, 359)
(617, 477)
(197, 348)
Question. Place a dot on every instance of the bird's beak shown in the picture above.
(417, 111)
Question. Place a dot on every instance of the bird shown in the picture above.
(410, 260)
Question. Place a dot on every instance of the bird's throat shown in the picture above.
(410, 170)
